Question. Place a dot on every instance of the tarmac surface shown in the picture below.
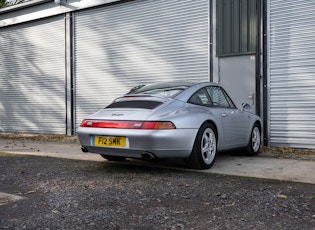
(226, 163)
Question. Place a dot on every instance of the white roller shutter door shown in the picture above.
(292, 73)
(137, 42)
(32, 77)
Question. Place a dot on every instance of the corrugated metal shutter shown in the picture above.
(138, 42)
(292, 73)
(32, 78)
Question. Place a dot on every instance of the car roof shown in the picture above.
(161, 85)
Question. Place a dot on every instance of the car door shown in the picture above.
(234, 122)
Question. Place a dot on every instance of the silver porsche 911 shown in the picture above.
(171, 120)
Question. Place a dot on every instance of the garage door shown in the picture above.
(32, 78)
(292, 73)
(122, 45)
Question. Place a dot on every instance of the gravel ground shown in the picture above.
(72, 194)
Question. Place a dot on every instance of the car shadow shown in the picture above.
(178, 163)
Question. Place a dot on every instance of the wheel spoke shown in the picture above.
(208, 146)
(255, 139)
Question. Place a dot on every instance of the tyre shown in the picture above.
(254, 141)
(113, 158)
(205, 148)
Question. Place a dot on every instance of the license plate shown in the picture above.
(110, 141)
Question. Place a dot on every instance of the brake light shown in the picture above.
(128, 124)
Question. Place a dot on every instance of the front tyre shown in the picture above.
(205, 148)
(254, 141)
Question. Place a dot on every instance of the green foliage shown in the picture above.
(6, 3)
(3, 3)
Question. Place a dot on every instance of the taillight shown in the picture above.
(158, 125)
(128, 124)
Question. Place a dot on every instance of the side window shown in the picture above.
(220, 98)
(200, 98)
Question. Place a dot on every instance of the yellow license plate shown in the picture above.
(110, 141)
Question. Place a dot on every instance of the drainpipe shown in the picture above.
(258, 59)
(265, 117)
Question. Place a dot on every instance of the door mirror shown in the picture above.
(245, 106)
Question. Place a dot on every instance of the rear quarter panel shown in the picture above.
(189, 116)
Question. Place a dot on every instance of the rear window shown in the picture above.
(162, 92)
(140, 104)
(168, 89)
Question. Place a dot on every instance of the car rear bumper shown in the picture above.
(175, 143)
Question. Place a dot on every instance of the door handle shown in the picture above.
(224, 114)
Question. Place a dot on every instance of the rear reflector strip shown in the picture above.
(128, 124)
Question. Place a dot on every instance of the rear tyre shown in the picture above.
(254, 141)
(205, 148)
(113, 158)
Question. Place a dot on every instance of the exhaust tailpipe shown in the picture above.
(84, 149)
(147, 156)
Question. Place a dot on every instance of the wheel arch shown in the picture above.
(258, 122)
(204, 150)
(214, 125)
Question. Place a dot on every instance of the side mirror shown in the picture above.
(245, 106)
